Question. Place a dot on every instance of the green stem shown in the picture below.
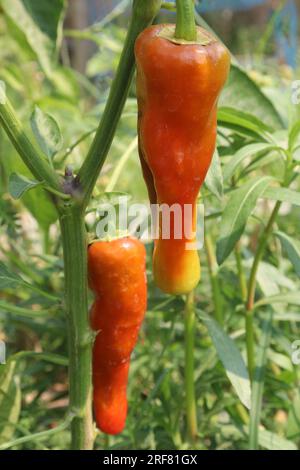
(185, 21)
(241, 273)
(33, 158)
(46, 240)
(143, 14)
(191, 410)
(80, 337)
(214, 279)
(250, 342)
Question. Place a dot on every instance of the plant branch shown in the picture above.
(80, 337)
(33, 158)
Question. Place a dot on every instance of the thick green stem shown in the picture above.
(33, 158)
(214, 279)
(250, 341)
(80, 337)
(143, 14)
(185, 20)
(191, 410)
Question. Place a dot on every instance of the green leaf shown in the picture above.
(241, 203)
(10, 400)
(38, 201)
(245, 123)
(214, 177)
(19, 185)
(41, 207)
(2, 92)
(258, 384)
(270, 279)
(289, 316)
(40, 23)
(291, 248)
(292, 298)
(294, 136)
(47, 132)
(231, 359)
(282, 194)
(284, 362)
(9, 280)
(251, 150)
(21, 311)
(293, 424)
(270, 441)
(47, 357)
(242, 93)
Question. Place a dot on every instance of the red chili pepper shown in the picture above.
(117, 275)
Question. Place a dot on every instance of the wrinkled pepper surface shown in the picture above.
(178, 85)
(117, 276)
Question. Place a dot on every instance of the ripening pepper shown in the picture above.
(178, 85)
(117, 276)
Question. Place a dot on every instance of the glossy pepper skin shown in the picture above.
(117, 276)
(178, 86)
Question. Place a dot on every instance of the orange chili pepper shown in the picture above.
(117, 276)
(178, 85)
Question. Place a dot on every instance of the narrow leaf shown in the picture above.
(234, 119)
(239, 207)
(283, 195)
(231, 359)
(250, 150)
(289, 316)
(291, 248)
(270, 441)
(9, 280)
(292, 298)
(258, 384)
(294, 136)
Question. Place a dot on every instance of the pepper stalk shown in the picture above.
(185, 22)
(186, 29)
